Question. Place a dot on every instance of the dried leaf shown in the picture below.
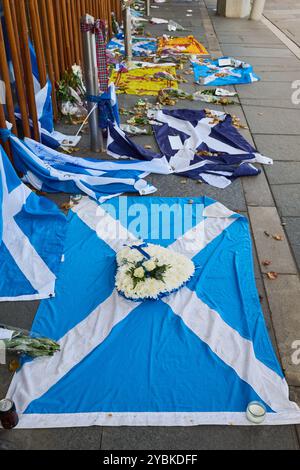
(266, 233)
(266, 262)
(277, 237)
(272, 276)
(13, 365)
(67, 206)
(148, 147)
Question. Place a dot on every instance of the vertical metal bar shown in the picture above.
(91, 82)
(148, 7)
(127, 31)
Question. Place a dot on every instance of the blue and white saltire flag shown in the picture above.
(32, 232)
(50, 171)
(223, 71)
(120, 146)
(141, 47)
(187, 138)
(43, 99)
(196, 357)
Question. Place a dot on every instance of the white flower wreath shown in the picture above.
(147, 271)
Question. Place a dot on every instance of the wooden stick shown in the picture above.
(6, 78)
(17, 68)
(5, 145)
(76, 31)
(47, 44)
(23, 28)
(65, 24)
(71, 30)
(79, 15)
(38, 45)
(53, 38)
(61, 55)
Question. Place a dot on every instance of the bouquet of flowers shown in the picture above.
(22, 342)
(147, 271)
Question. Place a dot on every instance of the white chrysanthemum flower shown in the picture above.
(149, 265)
(139, 273)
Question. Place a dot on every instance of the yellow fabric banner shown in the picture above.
(141, 80)
(185, 45)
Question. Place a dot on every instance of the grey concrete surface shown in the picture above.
(272, 134)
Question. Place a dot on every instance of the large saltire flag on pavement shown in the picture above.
(196, 357)
(223, 71)
(32, 231)
(53, 172)
(201, 145)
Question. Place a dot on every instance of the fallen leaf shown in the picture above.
(13, 365)
(272, 275)
(67, 206)
(183, 181)
(266, 262)
(148, 147)
(266, 233)
(279, 238)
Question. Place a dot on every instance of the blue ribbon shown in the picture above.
(94, 98)
(5, 134)
(140, 249)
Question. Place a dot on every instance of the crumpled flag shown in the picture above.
(141, 81)
(141, 47)
(184, 45)
(223, 71)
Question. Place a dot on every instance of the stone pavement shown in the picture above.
(286, 16)
(268, 200)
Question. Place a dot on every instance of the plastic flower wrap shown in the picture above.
(20, 341)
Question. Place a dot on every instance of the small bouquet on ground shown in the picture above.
(150, 272)
(170, 96)
(215, 96)
(22, 342)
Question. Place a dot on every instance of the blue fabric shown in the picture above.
(54, 172)
(141, 47)
(38, 227)
(242, 73)
(151, 361)
(233, 155)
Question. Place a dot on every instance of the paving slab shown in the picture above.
(250, 51)
(292, 228)
(262, 90)
(284, 301)
(283, 173)
(279, 147)
(265, 220)
(257, 191)
(51, 439)
(268, 121)
(201, 438)
(279, 76)
(287, 199)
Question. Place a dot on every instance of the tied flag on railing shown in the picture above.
(99, 29)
